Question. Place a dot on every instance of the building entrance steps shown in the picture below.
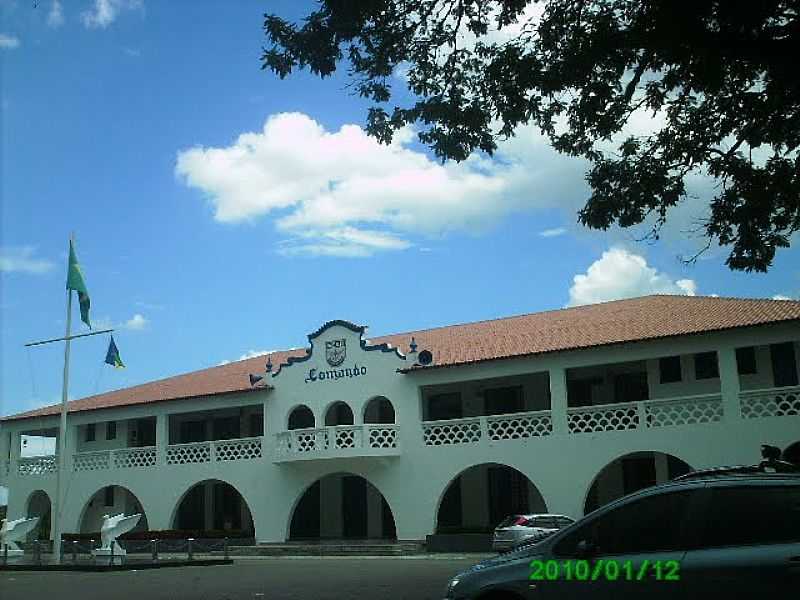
(345, 547)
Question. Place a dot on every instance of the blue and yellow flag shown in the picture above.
(112, 356)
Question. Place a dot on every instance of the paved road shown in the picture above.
(301, 578)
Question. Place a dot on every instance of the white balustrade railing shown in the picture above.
(37, 465)
(453, 431)
(191, 453)
(91, 461)
(774, 402)
(517, 426)
(706, 408)
(321, 440)
(238, 449)
(603, 417)
(492, 428)
(128, 458)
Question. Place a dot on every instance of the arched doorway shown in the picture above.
(338, 413)
(480, 497)
(630, 473)
(379, 410)
(301, 418)
(342, 506)
(111, 500)
(39, 506)
(214, 505)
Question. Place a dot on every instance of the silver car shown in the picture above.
(516, 529)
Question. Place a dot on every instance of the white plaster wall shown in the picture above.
(562, 466)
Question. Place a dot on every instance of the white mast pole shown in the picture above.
(62, 438)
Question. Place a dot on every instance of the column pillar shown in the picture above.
(208, 505)
(662, 468)
(729, 384)
(558, 399)
(331, 521)
(162, 438)
(374, 513)
(475, 497)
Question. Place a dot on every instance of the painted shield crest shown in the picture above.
(335, 352)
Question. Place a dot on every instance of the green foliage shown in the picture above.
(719, 74)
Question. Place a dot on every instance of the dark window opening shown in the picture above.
(445, 406)
(257, 424)
(146, 429)
(500, 401)
(226, 428)
(669, 368)
(90, 432)
(111, 430)
(705, 365)
(109, 496)
(746, 361)
(301, 418)
(631, 387)
(784, 365)
(580, 391)
(192, 431)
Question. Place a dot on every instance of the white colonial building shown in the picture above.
(352, 437)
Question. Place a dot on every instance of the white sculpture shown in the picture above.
(14, 531)
(112, 528)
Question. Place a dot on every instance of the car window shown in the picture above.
(544, 522)
(564, 522)
(742, 516)
(510, 520)
(652, 523)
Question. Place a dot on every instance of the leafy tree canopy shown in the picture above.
(719, 77)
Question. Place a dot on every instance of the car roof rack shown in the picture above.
(770, 465)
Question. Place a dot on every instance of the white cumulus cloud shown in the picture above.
(248, 354)
(8, 42)
(137, 322)
(619, 274)
(342, 193)
(21, 259)
(55, 18)
(105, 12)
(553, 232)
(780, 297)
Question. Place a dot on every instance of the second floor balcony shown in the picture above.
(338, 441)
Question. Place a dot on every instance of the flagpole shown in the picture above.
(62, 437)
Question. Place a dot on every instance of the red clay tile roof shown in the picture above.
(645, 318)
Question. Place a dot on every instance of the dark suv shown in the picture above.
(729, 533)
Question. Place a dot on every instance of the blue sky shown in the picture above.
(220, 211)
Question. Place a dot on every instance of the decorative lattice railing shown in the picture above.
(187, 454)
(775, 402)
(328, 441)
(519, 425)
(683, 411)
(240, 449)
(455, 431)
(37, 465)
(605, 417)
(90, 461)
(128, 458)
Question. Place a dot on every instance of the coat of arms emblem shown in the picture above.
(335, 352)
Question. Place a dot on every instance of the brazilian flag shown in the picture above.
(112, 356)
(75, 282)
